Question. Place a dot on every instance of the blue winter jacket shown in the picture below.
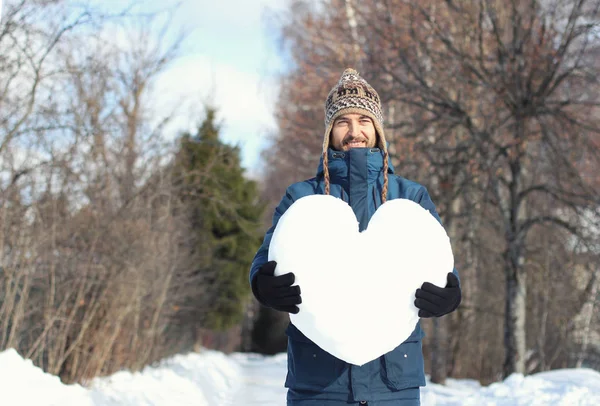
(356, 177)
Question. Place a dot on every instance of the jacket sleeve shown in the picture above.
(262, 254)
(425, 201)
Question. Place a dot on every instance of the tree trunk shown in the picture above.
(351, 16)
(439, 348)
(587, 311)
(514, 319)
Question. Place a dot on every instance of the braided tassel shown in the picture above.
(385, 177)
(326, 171)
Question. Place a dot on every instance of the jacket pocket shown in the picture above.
(310, 368)
(403, 367)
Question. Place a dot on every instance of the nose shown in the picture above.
(352, 128)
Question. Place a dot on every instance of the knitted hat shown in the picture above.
(352, 94)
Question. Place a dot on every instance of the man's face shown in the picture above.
(353, 131)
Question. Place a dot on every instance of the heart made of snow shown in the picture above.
(358, 288)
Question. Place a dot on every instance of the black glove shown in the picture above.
(434, 301)
(276, 292)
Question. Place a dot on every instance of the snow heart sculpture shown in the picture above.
(358, 288)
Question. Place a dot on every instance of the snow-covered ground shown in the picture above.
(212, 378)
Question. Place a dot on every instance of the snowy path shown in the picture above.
(262, 380)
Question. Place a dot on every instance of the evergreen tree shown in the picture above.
(225, 213)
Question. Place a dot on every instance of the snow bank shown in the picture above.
(205, 379)
(209, 378)
(24, 384)
(569, 387)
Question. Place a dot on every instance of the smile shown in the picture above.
(356, 143)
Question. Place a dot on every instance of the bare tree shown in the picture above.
(495, 109)
(528, 68)
(95, 253)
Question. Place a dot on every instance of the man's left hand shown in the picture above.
(433, 301)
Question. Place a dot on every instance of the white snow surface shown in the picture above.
(213, 378)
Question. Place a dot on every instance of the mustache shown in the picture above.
(348, 140)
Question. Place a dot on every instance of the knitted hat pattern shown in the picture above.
(352, 94)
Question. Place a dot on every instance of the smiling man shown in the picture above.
(354, 167)
(353, 131)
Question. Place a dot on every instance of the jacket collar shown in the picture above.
(341, 162)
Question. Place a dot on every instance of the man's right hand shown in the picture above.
(277, 292)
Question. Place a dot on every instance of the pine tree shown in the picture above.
(225, 213)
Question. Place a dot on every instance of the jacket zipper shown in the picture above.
(343, 193)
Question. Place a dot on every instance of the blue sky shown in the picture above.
(230, 57)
